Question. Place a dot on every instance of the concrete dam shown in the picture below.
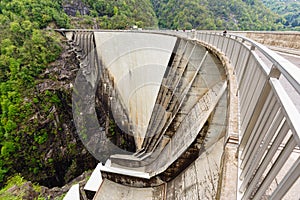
(182, 115)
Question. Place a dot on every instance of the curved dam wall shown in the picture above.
(171, 94)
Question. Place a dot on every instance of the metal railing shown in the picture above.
(269, 124)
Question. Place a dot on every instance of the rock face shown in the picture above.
(62, 156)
(74, 7)
(26, 190)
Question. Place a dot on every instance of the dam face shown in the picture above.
(167, 94)
(136, 63)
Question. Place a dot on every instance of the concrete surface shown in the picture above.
(73, 193)
(95, 180)
(113, 191)
(137, 63)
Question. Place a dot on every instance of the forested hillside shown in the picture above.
(111, 14)
(289, 9)
(38, 139)
(180, 14)
(123, 14)
(215, 14)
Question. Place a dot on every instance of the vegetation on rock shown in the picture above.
(37, 136)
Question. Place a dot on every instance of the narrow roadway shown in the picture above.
(295, 59)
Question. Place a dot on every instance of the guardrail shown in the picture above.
(269, 125)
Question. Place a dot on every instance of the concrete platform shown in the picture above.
(113, 191)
